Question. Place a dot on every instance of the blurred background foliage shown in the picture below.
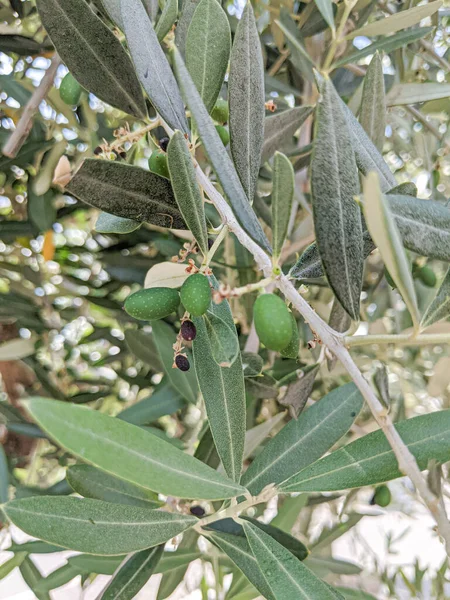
(63, 331)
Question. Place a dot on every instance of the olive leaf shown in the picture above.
(279, 128)
(151, 65)
(424, 227)
(299, 391)
(107, 223)
(94, 526)
(282, 198)
(132, 574)
(326, 10)
(225, 400)
(208, 46)
(167, 19)
(186, 189)
(286, 576)
(223, 340)
(219, 158)
(337, 218)
(373, 103)
(187, 12)
(112, 7)
(299, 56)
(412, 93)
(246, 99)
(440, 307)
(385, 234)
(370, 459)
(386, 44)
(127, 192)
(92, 53)
(401, 20)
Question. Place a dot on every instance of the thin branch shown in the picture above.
(406, 461)
(20, 134)
(405, 339)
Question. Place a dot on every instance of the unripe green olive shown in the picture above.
(427, 276)
(157, 163)
(152, 303)
(70, 90)
(291, 350)
(382, 496)
(220, 112)
(195, 294)
(223, 134)
(273, 322)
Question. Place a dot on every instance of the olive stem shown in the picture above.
(219, 239)
(134, 136)
(398, 339)
(337, 39)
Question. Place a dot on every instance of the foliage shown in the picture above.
(150, 175)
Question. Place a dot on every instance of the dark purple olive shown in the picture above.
(98, 150)
(182, 363)
(163, 143)
(197, 511)
(188, 331)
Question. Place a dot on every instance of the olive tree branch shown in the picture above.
(404, 339)
(335, 343)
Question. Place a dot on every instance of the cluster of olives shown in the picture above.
(275, 325)
(159, 302)
(157, 163)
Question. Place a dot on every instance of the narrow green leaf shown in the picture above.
(225, 400)
(324, 566)
(92, 54)
(93, 483)
(303, 441)
(299, 391)
(286, 576)
(238, 550)
(389, 44)
(142, 345)
(34, 548)
(167, 19)
(187, 12)
(112, 7)
(279, 128)
(386, 236)
(246, 98)
(373, 103)
(218, 156)
(164, 401)
(326, 10)
(367, 156)
(222, 339)
(208, 46)
(32, 577)
(7, 567)
(440, 307)
(41, 209)
(401, 20)
(184, 383)
(107, 223)
(107, 565)
(128, 192)
(4, 477)
(132, 575)
(412, 93)
(370, 459)
(17, 348)
(57, 578)
(352, 594)
(337, 218)
(424, 227)
(171, 580)
(129, 452)
(282, 197)
(94, 526)
(186, 189)
(151, 65)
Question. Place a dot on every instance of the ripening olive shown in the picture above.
(195, 294)
(182, 363)
(382, 496)
(291, 350)
(70, 90)
(157, 163)
(152, 303)
(427, 276)
(273, 322)
(223, 134)
(220, 112)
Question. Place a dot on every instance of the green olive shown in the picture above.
(195, 294)
(153, 303)
(70, 90)
(157, 163)
(273, 322)
(220, 112)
